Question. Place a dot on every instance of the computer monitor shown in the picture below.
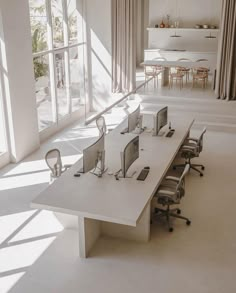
(134, 120)
(129, 155)
(94, 155)
(160, 120)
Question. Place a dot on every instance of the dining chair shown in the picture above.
(175, 76)
(184, 69)
(203, 70)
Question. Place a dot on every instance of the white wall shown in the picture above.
(187, 12)
(18, 77)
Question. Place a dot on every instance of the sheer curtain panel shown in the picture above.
(124, 45)
(226, 67)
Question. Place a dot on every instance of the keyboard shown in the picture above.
(170, 133)
(143, 174)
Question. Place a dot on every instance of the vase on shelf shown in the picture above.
(162, 25)
(168, 21)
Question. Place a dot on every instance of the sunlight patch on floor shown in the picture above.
(41, 225)
(9, 223)
(22, 255)
(8, 282)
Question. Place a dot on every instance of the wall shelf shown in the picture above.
(183, 29)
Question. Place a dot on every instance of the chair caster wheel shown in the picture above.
(203, 168)
(201, 175)
(174, 168)
(178, 211)
(188, 223)
(171, 229)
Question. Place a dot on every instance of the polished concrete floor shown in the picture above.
(37, 255)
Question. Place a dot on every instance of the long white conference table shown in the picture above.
(106, 206)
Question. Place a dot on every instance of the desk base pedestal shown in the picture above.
(90, 230)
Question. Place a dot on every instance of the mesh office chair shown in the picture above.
(170, 193)
(192, 149)
(53, 160)
(101, 125)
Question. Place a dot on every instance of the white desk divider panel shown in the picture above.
(106, 206)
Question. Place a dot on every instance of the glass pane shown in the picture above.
(43, 91)
(74, 79)
(72, 21)
(38, 20)
(57, 23)
(62, 100)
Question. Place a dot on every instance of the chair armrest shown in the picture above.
(172, 178)
(192, 138)
(188, 148)
(67, 166)
(167, 193)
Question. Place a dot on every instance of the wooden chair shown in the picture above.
(176, 76)
(151, 71)
(203, 70)
(154, 70)
(199, 77)
(182, 69)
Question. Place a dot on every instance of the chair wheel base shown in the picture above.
(203, 168)
(188, 223)
(201, 175)
(171, 229)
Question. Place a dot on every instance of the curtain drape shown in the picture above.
(123, 45)
(226, 67)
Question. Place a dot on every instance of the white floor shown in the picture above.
(37, 255)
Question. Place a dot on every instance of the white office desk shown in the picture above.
(113, 207)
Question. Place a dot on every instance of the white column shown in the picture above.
(19, 90)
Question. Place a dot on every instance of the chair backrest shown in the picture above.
(200, 140)
(201, 60)
(53, 160)
(101, 125)
(180, 186)
(160, 59)
(184, 59)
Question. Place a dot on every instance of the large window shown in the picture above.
(54, 30)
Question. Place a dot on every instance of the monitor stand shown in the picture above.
(161, 133)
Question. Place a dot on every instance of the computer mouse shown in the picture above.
(77, 175)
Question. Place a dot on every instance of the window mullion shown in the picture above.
(66, 54)
(52, 63)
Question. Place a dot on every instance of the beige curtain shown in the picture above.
(123, 45)
(226, 67)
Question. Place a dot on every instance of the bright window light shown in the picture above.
(44, 223)
(23, 255)
(10, 223)
(8, 282)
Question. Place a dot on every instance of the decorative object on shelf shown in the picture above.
(176, 24)
(205, 26)
(162, 25)
(168, 21)
(172, 26)
(198, 26)
(156, 25)
(210, 36)
(213, 27)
